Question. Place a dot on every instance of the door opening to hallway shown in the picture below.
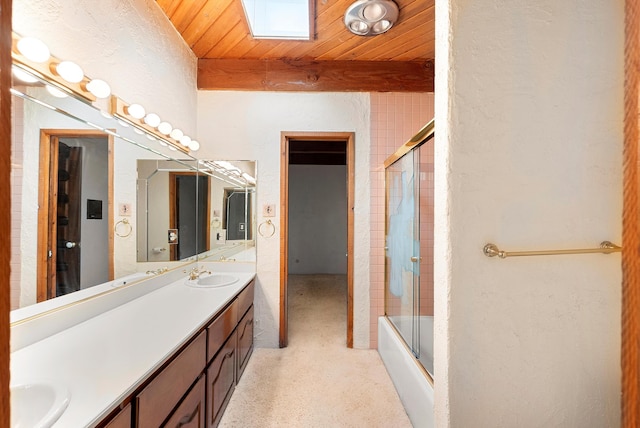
(317, 225)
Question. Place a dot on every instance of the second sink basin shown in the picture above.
(37, 405)
(214, 280)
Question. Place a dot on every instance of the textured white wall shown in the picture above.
(247, 125)
(129, 43)
(528, 147)
(317, 219)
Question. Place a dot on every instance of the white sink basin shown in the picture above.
(37, 405)
(214, 280)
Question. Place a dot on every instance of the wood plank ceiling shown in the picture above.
(335, 60)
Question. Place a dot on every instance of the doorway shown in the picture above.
(189, 207)
(307, 158)
(75, 216)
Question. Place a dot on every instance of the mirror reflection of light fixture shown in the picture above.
(371, 17)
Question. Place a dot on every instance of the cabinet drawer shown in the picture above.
(190, 413)
(220, 329)
(245, 299)
(245, 342)
(122, 419)
(221, 381)
(158, 399)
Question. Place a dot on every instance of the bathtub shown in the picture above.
(413, 386)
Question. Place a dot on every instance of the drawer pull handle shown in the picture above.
(188, 418)
(244, 329)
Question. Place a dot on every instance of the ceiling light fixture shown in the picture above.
(371, 17)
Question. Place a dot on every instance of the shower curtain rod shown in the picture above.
(606, 247)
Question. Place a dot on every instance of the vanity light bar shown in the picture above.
(119, 111)
(47, 71)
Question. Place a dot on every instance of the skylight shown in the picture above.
(278, 19)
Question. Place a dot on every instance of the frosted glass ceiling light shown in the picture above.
(33, 49)
(70, 71)
(99, 88)
(152, 120)
(194, 146)
(136, 111)
(165, 128)
(56, 92)
(371, 17)
(23, 76)
(176, 134)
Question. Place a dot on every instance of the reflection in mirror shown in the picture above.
(73, 189)
(171, 208)
(232, 216)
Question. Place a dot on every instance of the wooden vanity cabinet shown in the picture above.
(194, 388)
(165, 391)
(221, 380)
(245, 342)
(191, 412)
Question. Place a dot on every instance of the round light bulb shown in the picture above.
(33, 49)
(70, 71)
(23, 76)
(165, 128)
(151, 137)
(359, 27)
(172, 148)
(185, 140)
(374, 12)
(163, 143)
(381, 27)
(99, 88)
(137, 131)
(56, 92)
(194, 146)
(136, 111)
(123, 123)
(176, 134)
(152, 120)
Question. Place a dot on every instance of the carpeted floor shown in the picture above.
(316, 381)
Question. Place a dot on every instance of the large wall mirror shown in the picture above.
(94, 202)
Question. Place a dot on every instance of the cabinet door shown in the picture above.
(161, 396)
(221, 381)
(190, 413)
(245, 299)
(245, 342)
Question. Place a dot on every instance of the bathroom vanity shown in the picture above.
(171, 357)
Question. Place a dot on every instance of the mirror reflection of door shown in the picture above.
(189, 213)
(74, 219)
(237, 214)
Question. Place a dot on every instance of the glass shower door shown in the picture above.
(402, 249)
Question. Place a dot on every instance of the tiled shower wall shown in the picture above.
(395, 117)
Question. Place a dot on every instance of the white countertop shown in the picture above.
(103, 359)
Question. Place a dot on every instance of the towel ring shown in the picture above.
(215, 223)
(126, 223)
(273, 228)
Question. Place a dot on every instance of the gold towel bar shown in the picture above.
(606, 247)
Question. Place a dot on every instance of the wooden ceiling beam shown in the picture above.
(309, 75)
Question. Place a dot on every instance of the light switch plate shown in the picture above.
(125, 209)
(269, 210)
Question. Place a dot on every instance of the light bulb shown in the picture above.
(136, 111)
(137, 131)
(56, 92)
(99, 88)
(22, 75)
(70, 71)
(163, 143)
(152, 120)
(359, 27)
(33, 49)
(123, 123)
(176, 134)
(373, 12)
(172, 148)
(151, 137)
(185, 140)
(194, 146)
(165, 128)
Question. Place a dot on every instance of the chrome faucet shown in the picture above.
(157, 271)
